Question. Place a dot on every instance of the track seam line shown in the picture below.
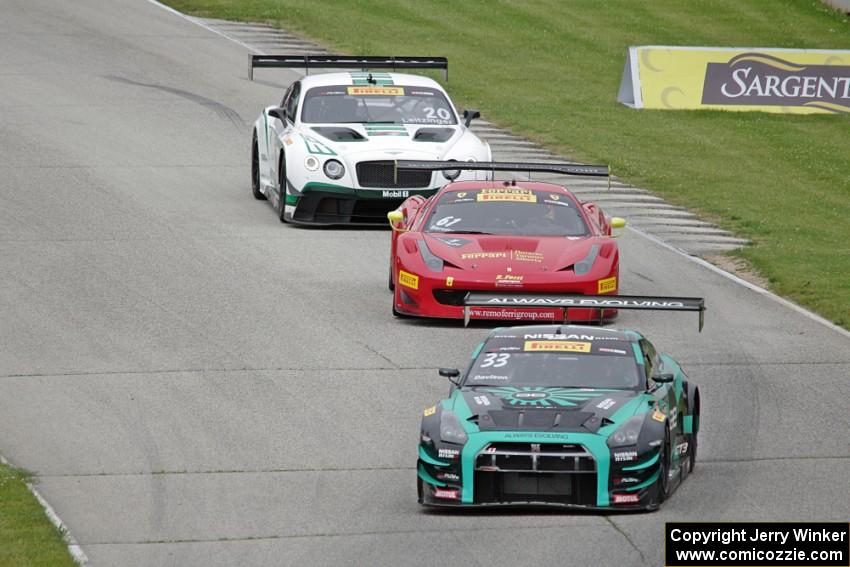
(623, 533)
(387, 468)
(341, 534)
(225, 471)
(356, 369)
(772, 459)
(786, 363)
(216, 370)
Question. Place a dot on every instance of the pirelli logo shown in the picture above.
(386, 91)
(408, 280)
(556, 346)
(607, 285)
(516, 195)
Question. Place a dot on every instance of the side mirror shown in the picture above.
(450, 373)
(276, 113)
(396, 218)
(663, 377)
(617, 225)
(469, 115)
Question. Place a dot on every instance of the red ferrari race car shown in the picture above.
(512, 238)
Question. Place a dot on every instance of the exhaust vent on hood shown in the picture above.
(433, 134)
(339, 133)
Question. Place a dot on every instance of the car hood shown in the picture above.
(538, 408)
(523, 254)
(398, 141)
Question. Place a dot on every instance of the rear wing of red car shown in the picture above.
(527, 301)
(363, 62)
(561, 168)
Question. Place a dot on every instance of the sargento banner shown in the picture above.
(797, 81)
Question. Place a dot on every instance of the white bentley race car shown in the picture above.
(326, 155)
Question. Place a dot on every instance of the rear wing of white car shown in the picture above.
(362, 62)
(562, 168)
(601, 302)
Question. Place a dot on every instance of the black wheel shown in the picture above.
(255, 170)
(662, 484)
(281, 178)
(397, 313)
(420, 490)
(692, 452)
(664, 477)
(391, 285)
(693, 399)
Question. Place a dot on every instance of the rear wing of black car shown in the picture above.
(561, 168)
(601, 302)
(363, 62)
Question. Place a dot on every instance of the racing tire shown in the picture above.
(662, 484)
(255, 170)
(692, 452)
(694, 410)
(281, 178)
(397, 313)
(420, 490)
(391, 285)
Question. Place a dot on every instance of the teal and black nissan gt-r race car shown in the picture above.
(563, 415)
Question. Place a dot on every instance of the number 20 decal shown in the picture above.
(495, 359)
(441, 113)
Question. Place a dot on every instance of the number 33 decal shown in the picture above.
(495, 359)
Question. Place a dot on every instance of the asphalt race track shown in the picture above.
(196, 384)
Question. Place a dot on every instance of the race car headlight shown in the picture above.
(434, 263)
(451, 174)
(311, 163)
(450, 428)
(583, 266)
(626, 434)
(334, 169)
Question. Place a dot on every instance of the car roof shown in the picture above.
(348, 78)
(565, 330)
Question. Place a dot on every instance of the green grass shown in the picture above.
(27, 538)
(550, 70)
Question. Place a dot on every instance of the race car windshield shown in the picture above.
(507, 212)
(376, 104)
(555, 369)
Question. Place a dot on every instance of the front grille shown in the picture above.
(535, 472)
(541, 457)
(384, 174)
(331, 208)
(450, 296)
(374, 210)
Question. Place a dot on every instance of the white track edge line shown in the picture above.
(197, 22)
(704, 263)
(740, 281)
(77, 553)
